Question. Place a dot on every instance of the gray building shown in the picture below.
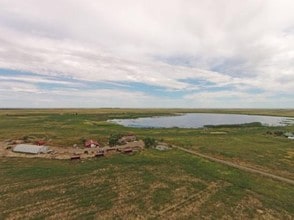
(30, 149)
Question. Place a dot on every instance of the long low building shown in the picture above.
(30, 149)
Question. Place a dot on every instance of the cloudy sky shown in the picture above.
(152, 53)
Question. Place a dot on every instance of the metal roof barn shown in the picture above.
(30, 149)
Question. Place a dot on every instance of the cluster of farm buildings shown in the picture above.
(126, 144)
(91, 148)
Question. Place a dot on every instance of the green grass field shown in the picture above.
(150, 184)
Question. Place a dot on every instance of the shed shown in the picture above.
(99, 154)
(40, 142)
(75, 157)
(30, 149)
(127, 150)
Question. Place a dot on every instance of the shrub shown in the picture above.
(278, 133)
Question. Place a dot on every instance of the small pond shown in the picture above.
(198, 120)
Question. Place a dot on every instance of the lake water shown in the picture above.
(198, 120)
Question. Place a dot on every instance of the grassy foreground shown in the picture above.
(150, 184)
(145, 185)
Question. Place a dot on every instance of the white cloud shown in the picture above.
(249, 44)
(18, 87)
(35, 79)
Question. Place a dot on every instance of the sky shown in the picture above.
(147, 54)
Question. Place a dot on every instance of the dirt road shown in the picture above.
(248, 169)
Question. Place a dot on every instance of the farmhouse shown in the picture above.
(30, 149)
(91, 143)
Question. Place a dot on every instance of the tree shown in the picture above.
(113, 139)
(149, 142)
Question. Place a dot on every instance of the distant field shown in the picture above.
(172, 183)
(274, 112)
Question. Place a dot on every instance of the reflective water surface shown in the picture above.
(198, 120)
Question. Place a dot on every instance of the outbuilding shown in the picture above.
(30, 149)
(162, 147)
(288, 134)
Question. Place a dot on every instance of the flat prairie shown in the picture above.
(149, 184)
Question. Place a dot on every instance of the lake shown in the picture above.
(199, 120)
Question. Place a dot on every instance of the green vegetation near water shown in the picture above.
(149, 183)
